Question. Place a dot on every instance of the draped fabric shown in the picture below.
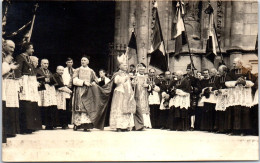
(97, 100)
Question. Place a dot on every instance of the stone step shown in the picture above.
(152, 144)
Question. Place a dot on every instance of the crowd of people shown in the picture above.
(220, 101)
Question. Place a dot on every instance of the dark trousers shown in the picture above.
(163, 118)
(29, 116)
(154, 115)
(63, 118)
(198, 113)
(208, 117)
(50, 116)
(69, 110)
(220, 121)
(254, 119)
(178, 119)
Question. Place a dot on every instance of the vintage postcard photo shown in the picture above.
(142, 80)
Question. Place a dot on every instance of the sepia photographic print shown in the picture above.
(129, 80)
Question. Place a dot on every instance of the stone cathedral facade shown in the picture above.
(236, 25)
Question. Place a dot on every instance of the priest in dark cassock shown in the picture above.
(154, 98)
(254, 109)
(208, 100)
(29, 113)
(10, 99)
(198, 110)
(240, 99)
(48, 100)
(61, 92)
(165, 87)
(222, 94)
(179, 104)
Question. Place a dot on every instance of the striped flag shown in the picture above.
(158, 54)
(211, 51)
(179, 30)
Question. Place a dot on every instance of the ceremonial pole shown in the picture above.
(157, 12)
(218, 42)
(191, 60)
(30, 32)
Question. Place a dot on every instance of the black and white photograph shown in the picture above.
(121, 80)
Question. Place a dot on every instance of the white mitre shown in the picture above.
(122, 59)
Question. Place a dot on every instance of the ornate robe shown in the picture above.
(123, 102)
(79, 111)
(142, 105)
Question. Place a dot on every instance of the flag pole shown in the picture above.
(30, 32)
(5, 15)
(167, 59)
(222, 59)
(191, 60)
(19, 30)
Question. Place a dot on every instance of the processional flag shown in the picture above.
(131, 49)
(23, 34)
(179, 30)
(158, 54)
(211, 51)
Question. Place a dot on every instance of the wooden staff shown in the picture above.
(191, 60)
(30, 32)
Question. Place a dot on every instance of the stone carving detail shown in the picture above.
(219, 17)
(192, 11)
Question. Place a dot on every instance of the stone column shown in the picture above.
(132, 26)
(117, 22)
(227, 23)
(114, 62)
(124, 22)
(142, 30)
(237, 24)
(132, 17)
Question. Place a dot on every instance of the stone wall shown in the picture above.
(236, 21)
